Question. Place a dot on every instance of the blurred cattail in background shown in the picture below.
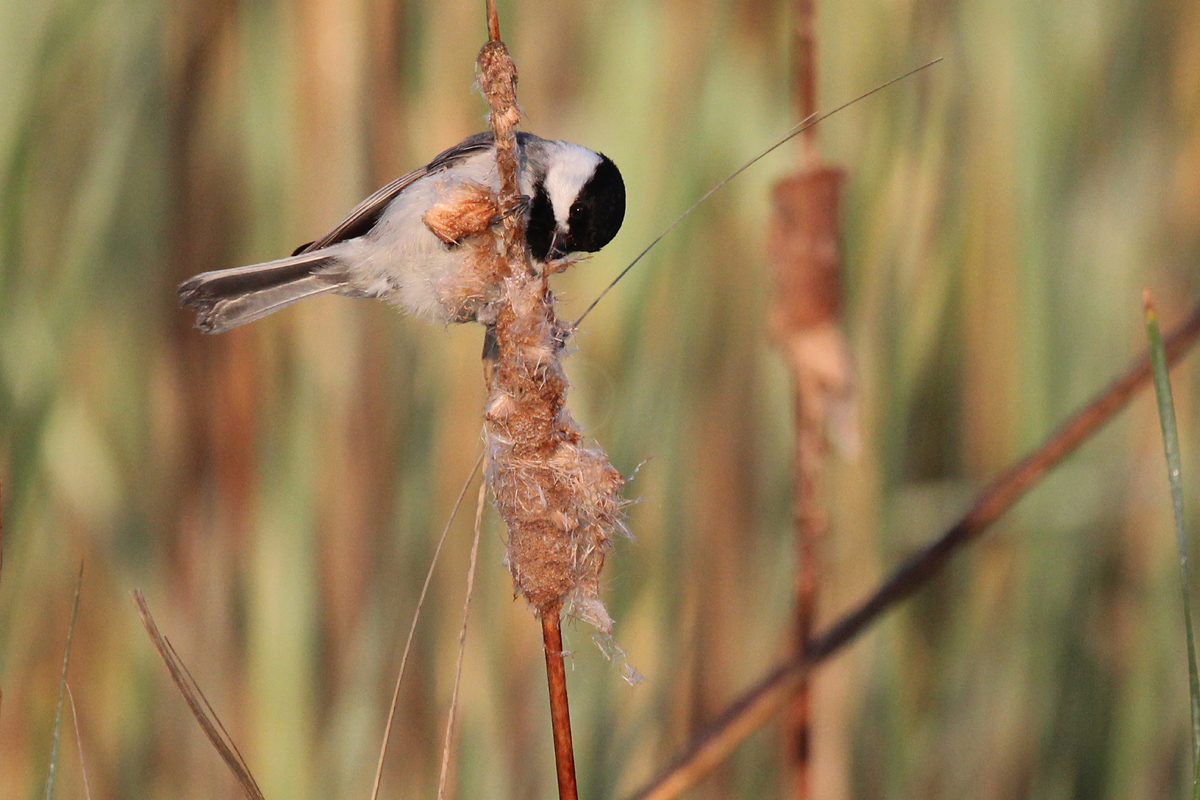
(276, 492)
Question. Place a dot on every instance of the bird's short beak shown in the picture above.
(557, 246)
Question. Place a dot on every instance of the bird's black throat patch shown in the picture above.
(539, 232)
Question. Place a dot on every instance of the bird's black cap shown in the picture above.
(598, 211)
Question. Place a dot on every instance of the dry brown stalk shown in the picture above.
(412, 628)
(758, 705)
(556, 677)
(87, 786)
(452, 714)
(803, 245)
(559, 498)
(493, 21)
(804, 65)
(210, 723)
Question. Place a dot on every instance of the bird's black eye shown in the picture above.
(539, 232)
(598, 211)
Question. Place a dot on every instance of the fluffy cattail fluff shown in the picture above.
(559, 498)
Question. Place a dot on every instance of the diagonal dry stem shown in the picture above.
(201, 709)
(754, 708)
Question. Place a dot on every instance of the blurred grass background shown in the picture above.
(277, 491)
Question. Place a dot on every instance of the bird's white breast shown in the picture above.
(400, 259)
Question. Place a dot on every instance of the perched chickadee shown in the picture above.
(388, 248)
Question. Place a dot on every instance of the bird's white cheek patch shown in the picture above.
(566, 178)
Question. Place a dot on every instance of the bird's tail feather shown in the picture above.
(226, 298)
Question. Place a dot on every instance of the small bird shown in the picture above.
(408, 242)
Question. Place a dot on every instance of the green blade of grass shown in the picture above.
(62, 683)
(1170, 436)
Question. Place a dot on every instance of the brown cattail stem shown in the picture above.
(559, 498)
(804, 249)
(493, 21)
(804, 61)
(560, 713)
(810, 532)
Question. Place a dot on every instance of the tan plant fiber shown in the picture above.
(559, 498)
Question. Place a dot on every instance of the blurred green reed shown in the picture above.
(276, 491)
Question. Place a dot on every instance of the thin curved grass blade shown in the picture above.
(62, 685)
(210, 723)
(1166, 419)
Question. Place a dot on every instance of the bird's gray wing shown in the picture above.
(367, 213)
